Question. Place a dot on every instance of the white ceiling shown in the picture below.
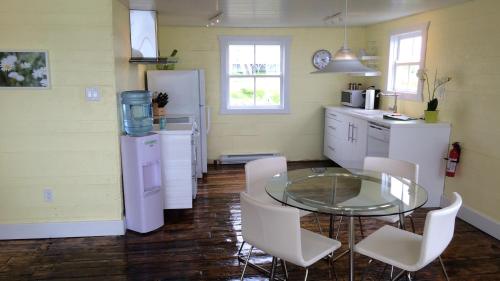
(283, 13)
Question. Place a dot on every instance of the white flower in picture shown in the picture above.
(25, 65)
(40, 73)
(24, 69)
(17, 76)
(7, 63)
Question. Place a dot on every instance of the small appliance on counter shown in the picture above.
(372, 98)
(142, 190)
(352, 98)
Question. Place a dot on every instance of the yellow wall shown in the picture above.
(54, 138)
(298, 135)
(463, 43)
(128, 76)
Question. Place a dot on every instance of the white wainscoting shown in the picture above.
(477, 219)
(61, 229)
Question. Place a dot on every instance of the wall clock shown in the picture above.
(321, 58)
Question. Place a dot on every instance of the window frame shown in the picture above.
(394, 38)
(284, 42)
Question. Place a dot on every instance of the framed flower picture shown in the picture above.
(25, 69)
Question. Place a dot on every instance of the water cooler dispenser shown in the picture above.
(142, 182)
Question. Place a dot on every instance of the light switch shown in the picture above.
(92, 94)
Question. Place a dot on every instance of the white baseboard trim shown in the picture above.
(477, 219)
(61, 229)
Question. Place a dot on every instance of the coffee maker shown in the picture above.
(372, 98)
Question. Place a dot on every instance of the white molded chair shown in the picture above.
(411, 252)
(393, 167)
(276, 231)
(257, 174)
(397, 168)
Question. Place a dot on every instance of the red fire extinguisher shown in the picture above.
(453, 159)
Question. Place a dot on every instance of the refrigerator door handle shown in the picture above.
(209, 117)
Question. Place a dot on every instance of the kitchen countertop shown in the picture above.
(376, 116)
(174, 129)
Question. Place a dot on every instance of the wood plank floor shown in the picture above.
(201, 244)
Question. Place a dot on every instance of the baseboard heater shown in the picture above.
(244, 158)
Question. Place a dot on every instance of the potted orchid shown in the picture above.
(431, 114)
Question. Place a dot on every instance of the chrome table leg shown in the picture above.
(307, 273)
(351, 248)
(319, 224)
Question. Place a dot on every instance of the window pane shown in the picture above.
(267, 60)
(406, 78)
(241, 92)
(268, 91)
(241, 59)
(409, 49)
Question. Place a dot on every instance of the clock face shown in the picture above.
(321, 58)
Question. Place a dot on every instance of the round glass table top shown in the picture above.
(344, 192)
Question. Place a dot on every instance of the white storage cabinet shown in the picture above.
(346, 143)
(178, 161)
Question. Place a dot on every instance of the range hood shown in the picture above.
(143, 38)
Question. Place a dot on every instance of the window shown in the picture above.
(406, 57)
(254, 75)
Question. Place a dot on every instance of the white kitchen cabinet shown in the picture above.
(345, 140)
(178, 164)
(346, 143)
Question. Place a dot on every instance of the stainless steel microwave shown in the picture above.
(352, 98)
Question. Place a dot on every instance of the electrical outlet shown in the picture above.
(47, 195)
(92, 94)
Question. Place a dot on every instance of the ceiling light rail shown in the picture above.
(215, 19)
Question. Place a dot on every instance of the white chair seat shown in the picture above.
(315, 246)
(393, 246)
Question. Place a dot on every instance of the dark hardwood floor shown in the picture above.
(201, 244)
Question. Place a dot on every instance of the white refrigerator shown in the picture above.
(186, 97)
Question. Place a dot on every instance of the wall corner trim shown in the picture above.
(61, 229)
(477, 219)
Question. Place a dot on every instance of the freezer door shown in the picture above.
(182, 87)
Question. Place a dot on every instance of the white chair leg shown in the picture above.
(443, 268)
(307, 273)
(246, 263)
(408, 276)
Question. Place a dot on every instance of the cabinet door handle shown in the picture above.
(349, 132)
(331, 148)
(331, 127)
(352, 138)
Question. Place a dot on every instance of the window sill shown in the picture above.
(406, 95)
(252, 111)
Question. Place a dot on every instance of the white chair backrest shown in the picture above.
(258, 173)
(393, 167)
(438, 230)
(272, 229)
